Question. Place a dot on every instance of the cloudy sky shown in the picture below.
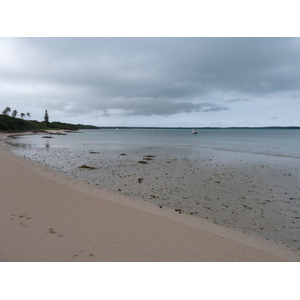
(153, 81)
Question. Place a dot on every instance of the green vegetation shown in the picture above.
(67, 126)
(8, 123)
(12, 123)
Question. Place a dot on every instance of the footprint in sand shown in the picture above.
(53, 231)
(82, 251)
(21, 216)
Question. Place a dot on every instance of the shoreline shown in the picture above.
(48, 216)
(253, 193)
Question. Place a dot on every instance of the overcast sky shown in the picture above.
(153, 81)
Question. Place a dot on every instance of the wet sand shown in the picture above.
(47, 216)
(254, 193)
(258, 196)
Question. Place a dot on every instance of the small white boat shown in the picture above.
(194, 131)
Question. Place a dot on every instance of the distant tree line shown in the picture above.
(10, 122)
(14, 113)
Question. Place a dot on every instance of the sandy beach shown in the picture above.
(48, 216)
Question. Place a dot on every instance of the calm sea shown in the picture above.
(272, 142)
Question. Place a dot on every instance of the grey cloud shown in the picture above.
(238, 100)
(147, 76)
(163, 108)
(153, 106)
(147, 106)
(162, 67)
(214, 109)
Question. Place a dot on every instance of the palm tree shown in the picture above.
(28, 115)
(22, 115)
(14, 113)
(6, 110)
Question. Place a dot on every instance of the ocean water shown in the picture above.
(248, 179)
(272, 142)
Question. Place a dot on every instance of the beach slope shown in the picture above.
(46, 216)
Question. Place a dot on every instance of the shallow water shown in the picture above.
(246, 179)
(274, 142)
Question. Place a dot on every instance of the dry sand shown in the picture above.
(46, 216)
